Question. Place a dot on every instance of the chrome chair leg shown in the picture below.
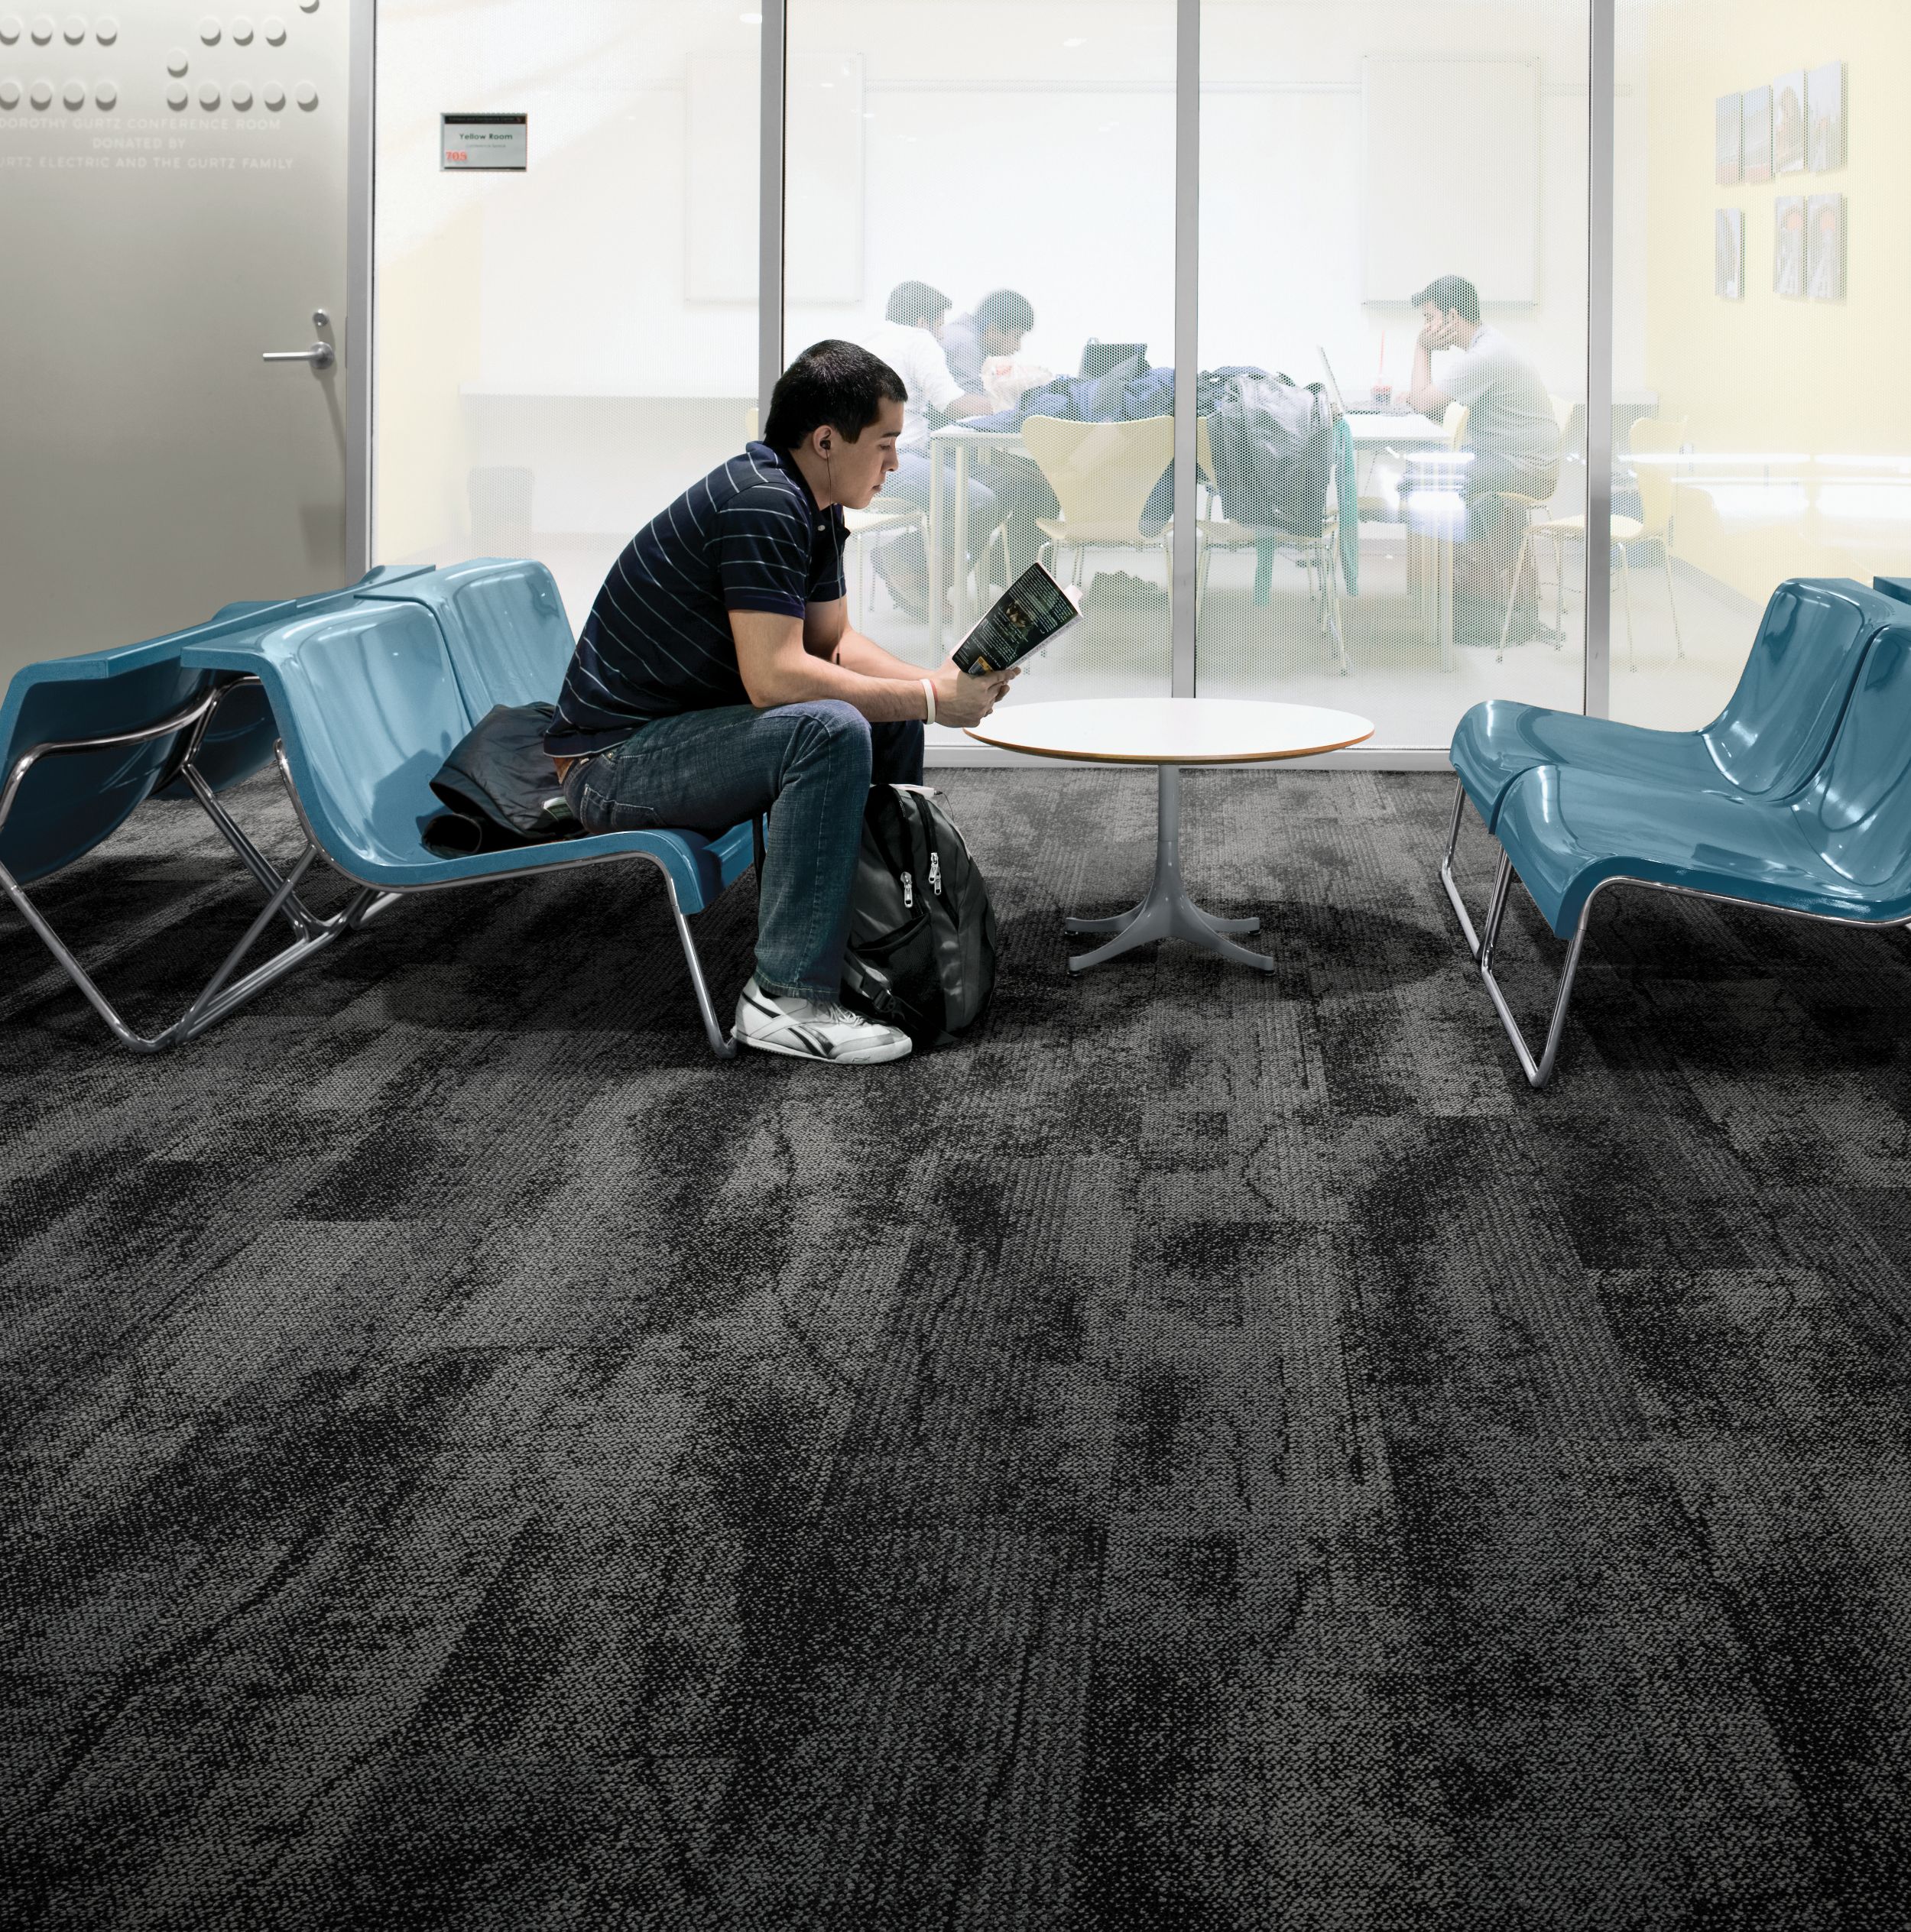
(1671, 597)
(1538, 1071)
(722, 1045)
(1446, 870)
(217, 997)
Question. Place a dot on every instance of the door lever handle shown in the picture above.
(321, 355)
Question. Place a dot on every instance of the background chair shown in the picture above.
(1317, 553)
(1527, 506)
(1102, 475)
(1655, 440)
(862, 524)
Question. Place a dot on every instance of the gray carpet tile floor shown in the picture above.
(1210, 1451)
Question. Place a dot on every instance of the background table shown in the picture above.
(962, 441)
(1169, 733)
(1373, 434)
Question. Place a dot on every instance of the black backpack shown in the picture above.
(921, 932)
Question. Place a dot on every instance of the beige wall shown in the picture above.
(1811, 381)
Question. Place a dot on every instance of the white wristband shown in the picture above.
(929, 698)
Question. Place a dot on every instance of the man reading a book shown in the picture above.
(717, 678)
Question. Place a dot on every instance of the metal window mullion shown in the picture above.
(770, 203)
(1187, 344)
(1599, 339)
(356, 337)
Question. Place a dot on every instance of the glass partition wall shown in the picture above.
(984, 194)
(1364, 533)
(560, 351)
(1778, 443)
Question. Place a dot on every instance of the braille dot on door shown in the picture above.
(275, 33)
(42, 94)
(106, 31)
(273, 97)
(74, 94)
(9, 29)
(308, 6)
(176, 96)
(75, 31)
(106, 94)
(9, 93)
(209, 96)
(241, 96)
(176, 62)
(209, 31)
(308, 95)
(242, 33)
(42, 29)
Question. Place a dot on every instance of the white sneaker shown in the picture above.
(813, 1029)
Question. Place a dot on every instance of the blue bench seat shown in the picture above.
(1767, 742)
(1837, 847)
(364, 691)
(370, 699)
(88, 739)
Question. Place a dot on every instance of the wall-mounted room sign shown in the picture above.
(484, 140)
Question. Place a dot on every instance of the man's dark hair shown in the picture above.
(834, 384)
(1453, 292)
(915, 304)
(1003, 308)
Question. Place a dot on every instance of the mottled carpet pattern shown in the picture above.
(1210, 1452)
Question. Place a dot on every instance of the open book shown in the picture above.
(1032, 610)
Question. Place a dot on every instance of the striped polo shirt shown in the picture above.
(657, 642)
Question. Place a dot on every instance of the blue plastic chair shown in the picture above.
(87, 740)
(504, 623)
(370, 699)
(1838, 848)
(1766, 743)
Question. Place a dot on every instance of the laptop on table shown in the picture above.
(1098, 358)
(1366, 406)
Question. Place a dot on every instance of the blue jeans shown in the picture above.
(809, 765)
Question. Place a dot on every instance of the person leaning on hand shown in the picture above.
(1514, 436)
(717, 678)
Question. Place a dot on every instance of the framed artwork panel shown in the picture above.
(1755, 121)
(1728, 253)
(1824, 112)
(1788, 124)
(1824, 248)
(1725, 141)
(1788, 246)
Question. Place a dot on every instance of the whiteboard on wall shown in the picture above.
(1450, 175)
(822, 187)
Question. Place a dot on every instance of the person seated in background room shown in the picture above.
(910, 340)
(717, 678)
(1514, 437)
(995, 326)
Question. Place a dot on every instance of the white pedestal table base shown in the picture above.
(1167, 912)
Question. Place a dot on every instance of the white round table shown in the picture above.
(1169, 733)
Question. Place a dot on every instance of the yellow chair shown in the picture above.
(1318, 554)
(1102, 475)
(1656, 442)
